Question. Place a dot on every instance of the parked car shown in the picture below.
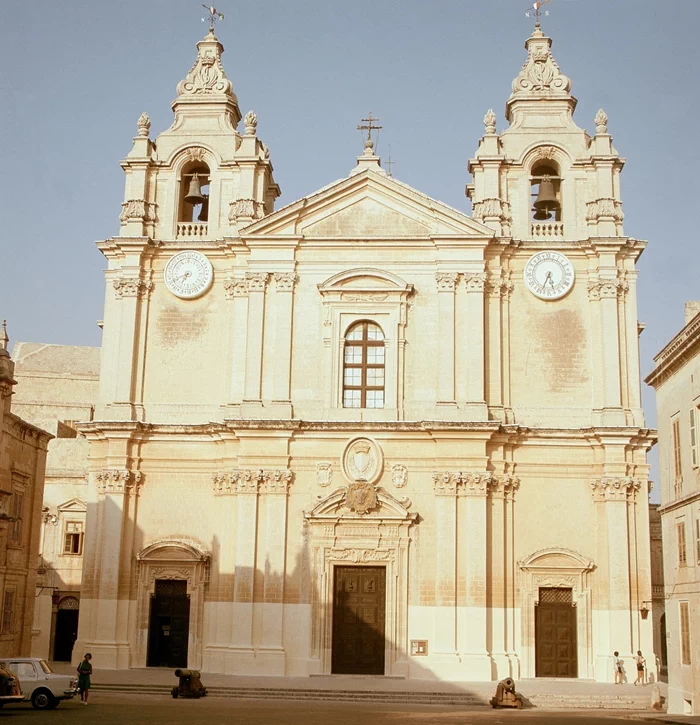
(10, 690)
(40, 685)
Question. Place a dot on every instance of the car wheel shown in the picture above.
(42, 699)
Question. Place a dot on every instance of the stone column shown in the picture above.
(271, 650)
(130, 291)
(257, 281)
(605, 291)
(496, 577)
(612, 493)
(284, 307)
(473, 350)
(236, 290)
(246, 486)
(104, 633)
(446, 284)
(476, 662)
(445, 647)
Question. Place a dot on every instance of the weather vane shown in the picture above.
(213, 16)
(536, 10)
(369, 126)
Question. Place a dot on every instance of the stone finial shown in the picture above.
(4, 339)
(490, 122)
(540, 73)
(601, 121)
(369, 147)
(144, 124)
(207, 77)
(251, 123)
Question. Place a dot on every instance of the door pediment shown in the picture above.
(335, 506)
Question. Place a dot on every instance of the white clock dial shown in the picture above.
(549, 275)
(188, 274)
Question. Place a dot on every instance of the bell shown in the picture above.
(194, 193)
(546, 201)
(204, 211)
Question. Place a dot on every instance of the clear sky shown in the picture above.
(77, 74)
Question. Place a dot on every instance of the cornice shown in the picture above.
(679, 502)
(676, 353)
(14, 425)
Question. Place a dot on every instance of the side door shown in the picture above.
(26, 673)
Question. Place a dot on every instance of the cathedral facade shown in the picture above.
(367, 433)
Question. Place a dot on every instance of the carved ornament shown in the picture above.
(467, 483)
(251, 481)
(540, 72)
(615, 488)
(324, 473)
(605, 208)
(601, 121)
(475, 282)
(361, 497)
(490, 122)
(246, 209)
(399, 475)
(139, 209)
(113, 480)
(499, 284)
(251, 123)
(363, 296)
(143, 124)
(235, 287)
(257, 281)
(285, 281)
(195, 153)
(206, 77)
(446, 281)
(607, 288)
(362, 460)
(360, 556)
(130, 287)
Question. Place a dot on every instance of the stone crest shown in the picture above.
(324, 473)
(399, 475)
(361, 497)
(362, 460)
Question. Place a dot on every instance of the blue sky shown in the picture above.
(76, 75)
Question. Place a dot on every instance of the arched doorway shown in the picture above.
(66, 628)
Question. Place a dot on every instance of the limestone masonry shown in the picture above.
(365, 432)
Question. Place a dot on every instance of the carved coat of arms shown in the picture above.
(361, 497)
(362, 460)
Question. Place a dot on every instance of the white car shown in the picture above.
(41, 686)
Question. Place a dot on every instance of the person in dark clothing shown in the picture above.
(84, 672)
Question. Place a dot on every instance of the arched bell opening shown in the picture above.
(545, 192)
(194, 193)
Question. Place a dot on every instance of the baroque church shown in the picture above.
(366, 433)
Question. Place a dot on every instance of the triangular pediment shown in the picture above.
(366, 205)
(72, 506)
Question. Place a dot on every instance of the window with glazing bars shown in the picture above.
(73, 539)
(363, 367)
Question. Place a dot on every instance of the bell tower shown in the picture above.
(544, 178)
(200, 179)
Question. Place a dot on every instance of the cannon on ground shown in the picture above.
(506, 696)
(189, 684)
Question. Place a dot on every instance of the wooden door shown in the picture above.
(555, 634)
(358, 620)
(169, 625)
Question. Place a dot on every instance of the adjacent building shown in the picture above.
(22, 465)
(676, 379)
(57, 385)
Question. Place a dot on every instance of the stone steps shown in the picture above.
(545, 701)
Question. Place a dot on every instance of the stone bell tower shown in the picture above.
(230, 173)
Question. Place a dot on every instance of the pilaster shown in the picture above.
(473, 352)
(282, 355)
(446, 285)
(257, 283)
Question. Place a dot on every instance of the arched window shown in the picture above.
(545, 190)
(363, 367)
(194, 193)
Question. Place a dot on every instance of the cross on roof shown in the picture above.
(389, 163)
(368, 125)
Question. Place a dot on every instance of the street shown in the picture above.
(111, 709)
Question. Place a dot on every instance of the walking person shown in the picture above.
(84, 672)
(618, 664)
(641, 662)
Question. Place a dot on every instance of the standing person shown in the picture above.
(84, 672)
(640, 667)
(618, 663)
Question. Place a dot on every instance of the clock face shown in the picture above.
(549, 275)
(188, 275)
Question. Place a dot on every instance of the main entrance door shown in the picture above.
(358, 620)
(66, 629)
(555, 634)
(169, 626)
